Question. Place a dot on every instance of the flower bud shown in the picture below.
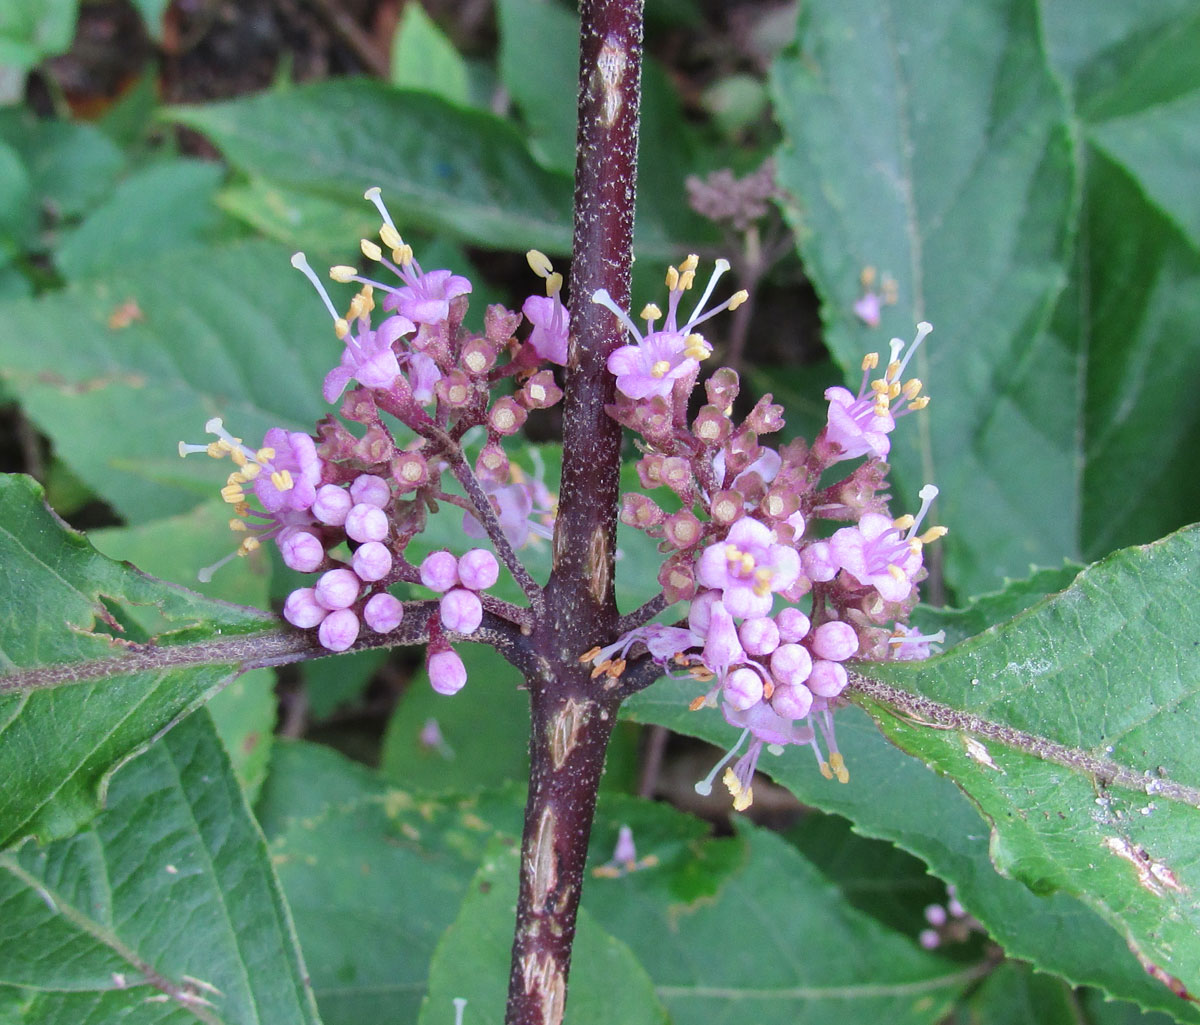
(492, 465)
(447, 674)
(743, 688)
(817, 560)
(461, 611)
(383, 613)
(331, 504)
(759, 636)
(834, 640)
(828, 679)
(372, 561)
(791, 664)
(337, 589)
(366, 523)
(722, 388)
(371, 490)
(793, 625)
(301, 550)
(439, 571)
(766, 417)
(303, 610)
(478, 569)
(792, 701)
(338, 630)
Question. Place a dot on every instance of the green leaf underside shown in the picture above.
(439, 166)
(57, 744)
(169, 894)
(1088, 692)
(343, 840)
(954, 177)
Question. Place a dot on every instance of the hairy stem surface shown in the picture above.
(572, 714)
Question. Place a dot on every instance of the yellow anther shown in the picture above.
(870, 361)
(904, 522)
(879, 386)
(696, 346)
(701, 674)
(733, 553)
(660, 368)
(217, 450)
(248, 545)
(591, 653)
(251, 470)
(838, 764)
(237, 455)
(672, 278)
(539, 263)
(403, 255)
(237, 478)
(685, 280)
(232, 494)
(747, 561)
(696, 704)
(238, 526)
(282, 479)
(241, 508)
(762, 581)
(264, 454)
(933, 533)
(390, 237)
(896, 573)
(739, 297)
(370, 250)
(690, 264)
(920, 403)
(744, 800)
(893, 369)
(893, 391)
(881, 404)
(343, 273)
(601, 668)
(554, 283)
(650, 312)
(743, 797)
(912, 388)
(826, 771)
(616, 668)
(341, 327)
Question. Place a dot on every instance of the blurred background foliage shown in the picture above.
(1021, 174)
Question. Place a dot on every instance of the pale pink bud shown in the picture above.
(331, 504)
(383, 613)
(743, 688)
(370, 490)
(337, 589)
(759, 636)
(792, 701)
(835, 640)
(338, 630)
(447, 674)
(439, 571)
(462, 611)
(301, 550)
(302, 609)
(791, 664)
(366, 522)
(506, 416)
(818, 563)
(478, 569)
(372, 561)
(828, 679)
(793, 625)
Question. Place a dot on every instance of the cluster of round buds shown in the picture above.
(743, 537)
(344, 504)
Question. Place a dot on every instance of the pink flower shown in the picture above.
(748, 567)
(368, 357)
(856, 425)
(292, 472)
(551, 327)
(425, 296)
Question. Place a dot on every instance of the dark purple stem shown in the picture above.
(572, 714)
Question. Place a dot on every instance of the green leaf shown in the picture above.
(71, 165)
(58, 743)
(439, 166)
(542, 88)
(154, 212)
(152, 12)
(175, 549)
(33, 29)
(1089, 776)
(607, 982)
(424, 60)
(1015, 995)
(490, 728)
(170, 894)
(955, 177)
(16, 206)
(234, 332)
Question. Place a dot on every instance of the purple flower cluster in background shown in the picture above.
(777, 604)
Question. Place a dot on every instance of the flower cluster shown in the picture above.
(777, 603)
(345, 505)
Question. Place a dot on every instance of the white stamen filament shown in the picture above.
(460, 1004)
(374, 195)
(704, 787)
(602, 298)
(721, 267)
(923, 330)
(927, 495)
(301, 264)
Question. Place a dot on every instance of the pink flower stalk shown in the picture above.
(660, 357)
